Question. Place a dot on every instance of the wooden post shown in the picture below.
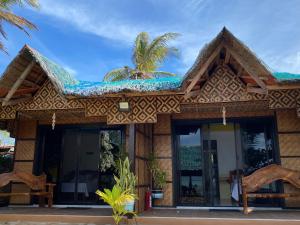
(131, 146)
(245, 198)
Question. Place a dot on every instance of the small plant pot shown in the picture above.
(129, 206)
(157, 194)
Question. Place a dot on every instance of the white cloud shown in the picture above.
(289, 63)
(107, 21)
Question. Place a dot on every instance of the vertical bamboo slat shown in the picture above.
(24, 155)
(288, 125)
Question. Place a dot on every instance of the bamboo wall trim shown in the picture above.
(163, 151)
(143, 145)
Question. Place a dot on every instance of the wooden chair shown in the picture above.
(265, 176)
(37, 184)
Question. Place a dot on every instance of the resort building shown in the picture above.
(226, 118)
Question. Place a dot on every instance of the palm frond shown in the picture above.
(2, 48)
(156, 52)
(2, 32)
(16, 21)
(7, 4)
(140, 48)
(118, 74)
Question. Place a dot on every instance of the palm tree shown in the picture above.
(6, 15)
(147, 57)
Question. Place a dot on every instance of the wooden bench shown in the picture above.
(37, 184)
(265, 176)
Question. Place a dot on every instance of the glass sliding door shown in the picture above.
(79, 166)
(88, 160)
(69, 164)
(212, 158)
(210, 162)
(190, 172)
(80, 160)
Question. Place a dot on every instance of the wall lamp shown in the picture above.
(124, 106)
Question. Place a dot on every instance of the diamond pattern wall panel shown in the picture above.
(48, 98)
(168, 104)
(224, 86)
(142, 109)
(283, 98)
(7, 112)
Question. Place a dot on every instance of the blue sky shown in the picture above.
(91, 37)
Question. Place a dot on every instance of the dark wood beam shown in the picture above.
(227, 57)
(18, 100)
(283, 86)
(256, 90)
(249, 77)
(31, 84)
(194, 93)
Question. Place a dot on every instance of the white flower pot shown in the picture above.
(129, 206)
(157, 194)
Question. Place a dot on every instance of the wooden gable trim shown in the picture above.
(18, 83)
(202, 71)
(248, 69)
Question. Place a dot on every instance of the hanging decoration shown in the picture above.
(224, 115)
(53, 121)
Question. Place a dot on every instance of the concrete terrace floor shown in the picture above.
(172, 216)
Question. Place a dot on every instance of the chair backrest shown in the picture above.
(269, 174)
(34, 182)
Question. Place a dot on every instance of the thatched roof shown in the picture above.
(227, 39)
(86, 88)
(56, 73)
(65, 83)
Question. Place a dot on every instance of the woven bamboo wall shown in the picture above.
(24, 156)
(163, 151)
(289, 143)
(143, 146)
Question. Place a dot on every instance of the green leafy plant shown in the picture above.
(125, 178)
(122, 192)
(116, 198)
(159, 176)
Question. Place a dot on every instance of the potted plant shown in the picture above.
(122, 196)
(126, 180)
(159, 177)
(116, 198)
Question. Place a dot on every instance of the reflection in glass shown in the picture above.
(259, 152)
(190, 163)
